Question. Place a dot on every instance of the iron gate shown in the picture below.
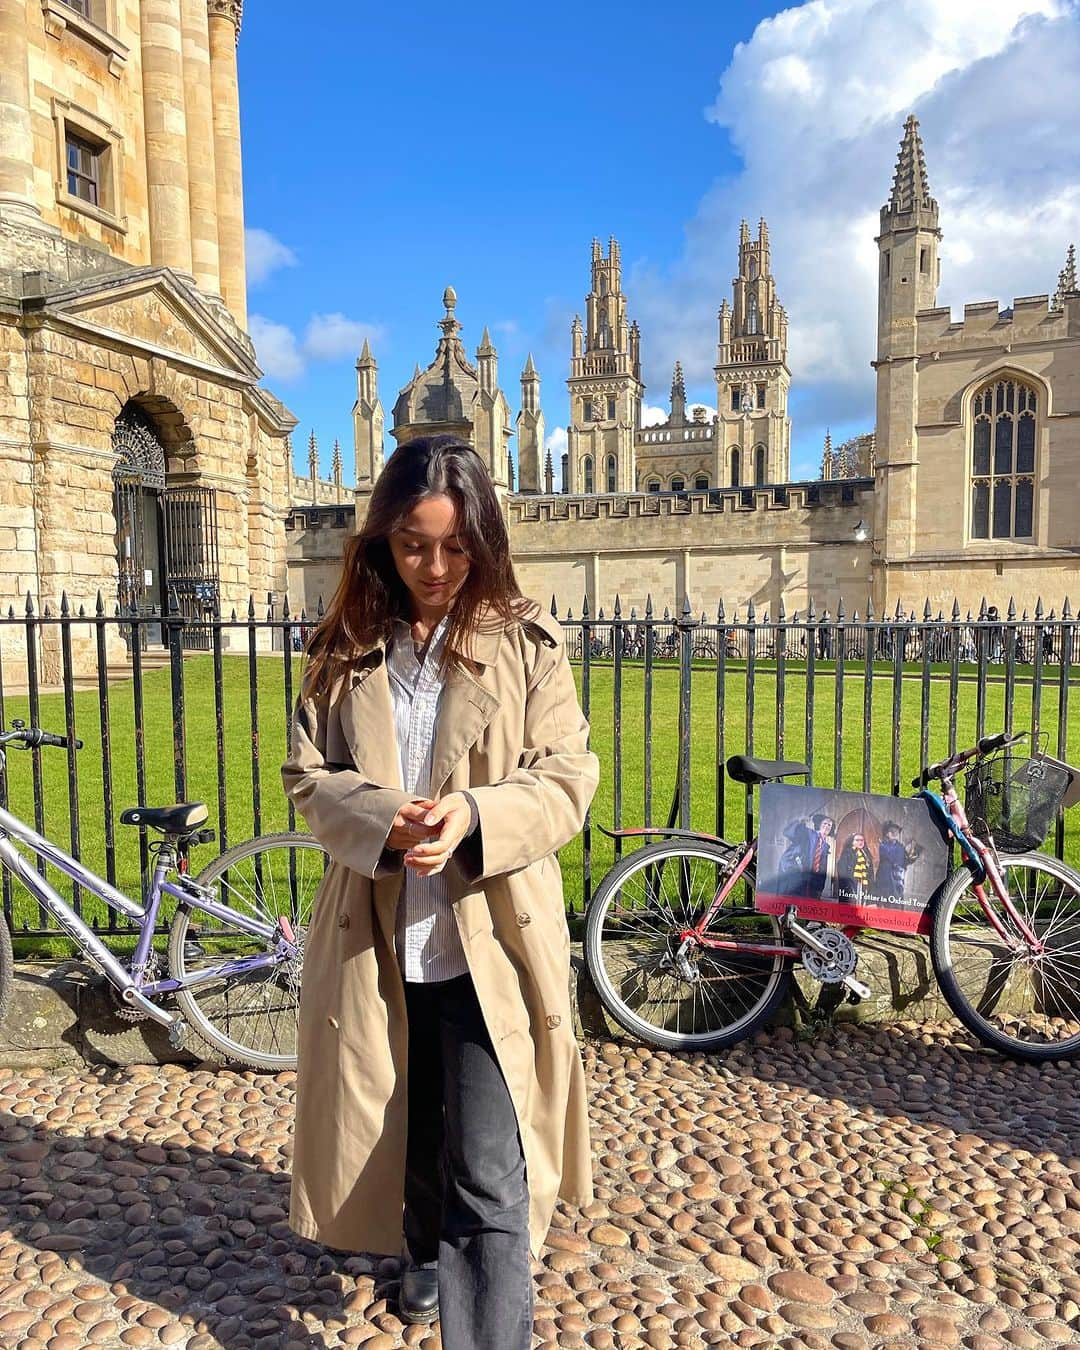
(191, 551)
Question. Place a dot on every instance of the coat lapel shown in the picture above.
(366, 711)
(466, 709)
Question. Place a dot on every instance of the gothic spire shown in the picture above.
(911, 189)
(678, 385)
(827, 456)
(335, 463)
(530, 370)
(485, 348)
(448, 323)
(313, 455)
(366, 359)
(1066, 278)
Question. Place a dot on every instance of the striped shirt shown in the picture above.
(428, 942)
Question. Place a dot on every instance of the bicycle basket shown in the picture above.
(1015, 799)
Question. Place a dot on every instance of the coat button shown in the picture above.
(523, 919)
(333, 1022)
(343, 921)
(554, 1021)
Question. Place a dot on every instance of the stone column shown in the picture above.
(202, 176)
(166, 135)
(16, 139)
(224, 31)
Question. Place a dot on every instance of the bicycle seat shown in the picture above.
(746, 770)
(169, 819)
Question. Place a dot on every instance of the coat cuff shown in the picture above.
(469, 854)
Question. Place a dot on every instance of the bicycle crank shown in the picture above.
(829, 956)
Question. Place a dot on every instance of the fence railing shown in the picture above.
(864, 700)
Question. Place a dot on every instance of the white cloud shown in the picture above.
(652, 416)
(276, 348)
(329, 336)
(556, 442)
(264, 254)
(814, 103)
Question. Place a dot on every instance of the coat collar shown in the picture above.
(466, 709)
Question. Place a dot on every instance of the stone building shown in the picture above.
(968, 487)
(138, 453)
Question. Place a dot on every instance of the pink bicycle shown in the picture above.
(682, 956)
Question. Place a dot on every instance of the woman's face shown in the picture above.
(858, 840)
(429, 557)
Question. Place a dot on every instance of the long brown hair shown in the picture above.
(371, 594)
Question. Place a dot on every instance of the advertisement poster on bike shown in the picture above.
(851, 858)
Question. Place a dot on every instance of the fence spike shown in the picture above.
(234, 614)
(869, 608)
(781, 612)
(735, 614)
(1011, 612)
(569, 612)
(648, 606)
(82, 611)
(1066, 609)
(687, 613)
(29, 606)
(633, 611)
(618, 606)
(811, 613)
(955, 609)
(840, 614)
(319, 611)
(285, 607)
(600, 612)
(982, 609)
(99, 605)
(554, 607)
(11, 611)
(65, 608)
(720, 612)
(303, 613)
(940, 617)
(1024, 616)
(1038, 607)
(750, 611)
(46, 612)
(703, 620)
(899, 612)
(667, 614)
(585, 607)
(927, 612)
(795, 617)
(250, 607)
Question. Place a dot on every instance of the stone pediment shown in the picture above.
(155, 310)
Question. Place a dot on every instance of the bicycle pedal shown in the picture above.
(178, 1031)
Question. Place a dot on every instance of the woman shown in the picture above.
(440, 756)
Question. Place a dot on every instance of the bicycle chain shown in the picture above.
(127, 1011)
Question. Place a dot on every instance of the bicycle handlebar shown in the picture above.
(34, 736)
(988, 745)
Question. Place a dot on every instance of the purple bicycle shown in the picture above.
(236, 941)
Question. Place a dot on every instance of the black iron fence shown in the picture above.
(865, 700)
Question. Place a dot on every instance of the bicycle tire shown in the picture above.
(208, 1007)
(944, 952)
(7, 968)
(774, 975)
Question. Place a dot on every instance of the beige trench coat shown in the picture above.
(512, 732)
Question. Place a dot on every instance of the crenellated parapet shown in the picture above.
(1029, 319)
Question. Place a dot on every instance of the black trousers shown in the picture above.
(466, 1197)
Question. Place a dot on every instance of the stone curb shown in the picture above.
(64, 1015)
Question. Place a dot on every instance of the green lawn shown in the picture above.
(202, 771)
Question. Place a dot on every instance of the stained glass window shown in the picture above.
(1003, 461)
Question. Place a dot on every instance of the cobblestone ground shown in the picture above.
(868, 1188)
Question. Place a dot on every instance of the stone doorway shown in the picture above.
(166, 534)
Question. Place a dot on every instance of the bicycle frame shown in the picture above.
(131, 982)
(949, 811)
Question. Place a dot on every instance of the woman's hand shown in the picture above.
(408, 827)
(448, 820)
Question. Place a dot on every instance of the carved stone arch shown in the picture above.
(1004, 370)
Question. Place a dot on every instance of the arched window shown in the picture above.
(701, 483)
(736, 467)
(759, 464)
(1003, 461)
(678, 484)
(587, 473)
(653, 485)
(586, 409)
(611, 474)
(753, 314)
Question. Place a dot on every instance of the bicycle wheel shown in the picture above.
(250, 1018)
(705, 999)
(1022, 1003)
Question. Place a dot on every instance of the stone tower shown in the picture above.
(753, 443)
(605, 385)
(455, 397)
(908, 278)
(530, 431)
(367, 428)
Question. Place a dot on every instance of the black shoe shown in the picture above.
(418, 1297)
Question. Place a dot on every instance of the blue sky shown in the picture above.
(391, 150)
